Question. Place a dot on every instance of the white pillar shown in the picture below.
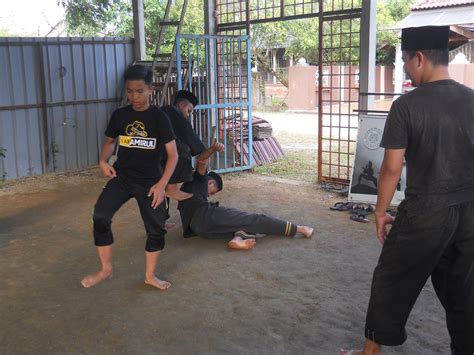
(382, 81)
(398, 72)
(367, 53)
(138, 30)
(274, 64)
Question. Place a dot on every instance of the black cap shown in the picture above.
(188, 95)
(218, 179)
(427, 37)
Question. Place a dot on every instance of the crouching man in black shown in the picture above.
(211, 221)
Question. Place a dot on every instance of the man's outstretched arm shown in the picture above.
(202, 160)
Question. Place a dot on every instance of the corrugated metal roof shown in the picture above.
(462, 15)
(436, 4)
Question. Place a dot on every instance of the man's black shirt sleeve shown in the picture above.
(395, 135)
(185, 133)
(112, 131)
(183, 130)
(165, 132)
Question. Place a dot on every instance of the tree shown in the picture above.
(389, 12)
(115, 18)
(300, 37)
(96, 17)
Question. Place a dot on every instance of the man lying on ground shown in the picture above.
(211, 221)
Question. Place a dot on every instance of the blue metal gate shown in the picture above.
(218, 71)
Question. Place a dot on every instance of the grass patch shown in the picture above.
(296, 165)
(292, 138)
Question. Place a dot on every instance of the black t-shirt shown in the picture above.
(197, 187)
(183, 130)
(141, 137)
(435, 124)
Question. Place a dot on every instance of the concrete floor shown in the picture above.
(286, 296)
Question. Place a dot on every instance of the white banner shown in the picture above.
(367, 163)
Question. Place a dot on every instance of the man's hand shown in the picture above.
(107, 169)
(158, 193)
(382, 220)
(217, 146)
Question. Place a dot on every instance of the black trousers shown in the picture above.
(115, 193)
(183, 171)
(439, 244)
(214, 222)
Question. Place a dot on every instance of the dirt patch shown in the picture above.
(287, 295)
(51, 181)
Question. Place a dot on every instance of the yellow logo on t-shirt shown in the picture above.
(137, 128)
(136, 137)
(137, 142)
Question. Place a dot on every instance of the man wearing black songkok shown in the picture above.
(187, 141)
(432, 127)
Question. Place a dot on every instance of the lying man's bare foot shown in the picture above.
(241, 244)
(98, 277)
(306, 231)
(156, 282)
(350, 352)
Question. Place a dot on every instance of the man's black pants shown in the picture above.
(115, 193)
(437, 243)
(214, 222)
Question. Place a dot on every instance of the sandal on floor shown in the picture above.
(359, 218)
(362, 207)
(342, 206)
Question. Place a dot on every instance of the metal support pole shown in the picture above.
(138, 30)
(210, 28)
(367, 53)
(43, 124)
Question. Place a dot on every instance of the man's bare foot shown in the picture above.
(350, 352)
(241, 244)
(94, 279)
(169, 225)
(306, 231)
(156, 282)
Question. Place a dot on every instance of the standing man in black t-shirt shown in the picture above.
(211, 221)
(432, 127)
(142, 130)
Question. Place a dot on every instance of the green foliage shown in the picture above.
(115, 18)
(96, 17)
(389, 12)
(300, 37)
